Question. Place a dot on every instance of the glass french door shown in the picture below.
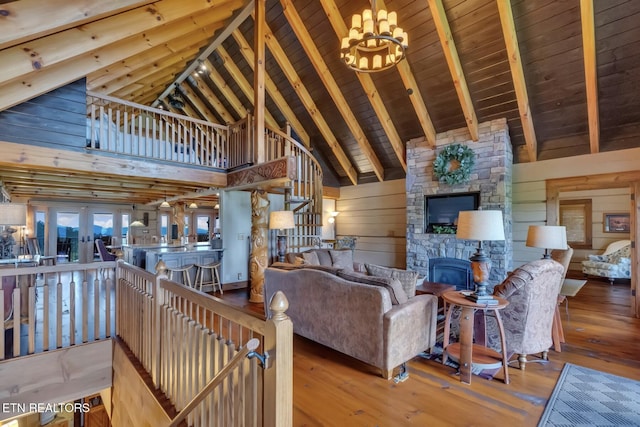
(73, 236)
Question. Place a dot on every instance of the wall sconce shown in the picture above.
(332, 217)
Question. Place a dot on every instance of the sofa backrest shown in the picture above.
(615, 246)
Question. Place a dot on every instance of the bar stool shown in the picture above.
(186, 278)
(215, 276)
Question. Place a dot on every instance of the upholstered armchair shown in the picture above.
(613, 263)
(532, 291)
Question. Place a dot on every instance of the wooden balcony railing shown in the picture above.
(51, 307)
(185, 339)
(118, 126)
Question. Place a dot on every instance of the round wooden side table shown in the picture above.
(465, 351)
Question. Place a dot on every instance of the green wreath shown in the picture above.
(453, 165)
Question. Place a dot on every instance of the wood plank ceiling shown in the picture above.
(565, 74)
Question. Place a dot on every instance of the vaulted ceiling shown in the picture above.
(564, 74)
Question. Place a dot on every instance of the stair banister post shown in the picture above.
(278, 375)
(158, 297)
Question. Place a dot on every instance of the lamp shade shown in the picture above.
(547, 236)
(281, 220)
(165, 204)
(137, 223)
(480, 225)
(13, 214)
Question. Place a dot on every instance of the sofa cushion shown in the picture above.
(323, 256)
(310, 258)
(342, 259)
(406, 277)
(398, 296)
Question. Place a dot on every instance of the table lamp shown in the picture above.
(11, 214)
(281, 220)
(480, 225)
(547, 237)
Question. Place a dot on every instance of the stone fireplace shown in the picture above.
(491, 176)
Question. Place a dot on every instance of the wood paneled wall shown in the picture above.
(376, 214)
(529, 196)
(57, 118)
(133, 402)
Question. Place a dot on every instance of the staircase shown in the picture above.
(302, 195)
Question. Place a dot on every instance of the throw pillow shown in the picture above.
(406, 277)
(342, 259)
(311, 258)
(397, 294)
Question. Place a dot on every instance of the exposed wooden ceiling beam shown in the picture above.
(243, 83)
(211, 97)
(304, 95)
(53, 76)
(199, 104)
(272, 89)
(238, 18)
(172, 48)
(150, 82)
(111, 83)
(225, 90)
(37, 55)
(369, 87)
(517, 75)
(415, 96)
(455, 67)
(332, 87)
(590, 72)
(31, 19)
(170, 63)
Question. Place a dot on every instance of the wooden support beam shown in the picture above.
(172, 48)
(32, 19)
(453, 61)
(37, 55)
(590, 72)
(415, 96)
(239, 16)
(49, 77)
(64, 160)
(171, 62)
(310, 105)
(332, 87)
(152, 82)
(369, 87)
(211, 97)
(272, 90)
(259, 27)
(244, 84)
(517, 75)
(197, 102)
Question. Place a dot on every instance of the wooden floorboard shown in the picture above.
(331, 389)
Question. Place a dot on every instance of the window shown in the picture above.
(164, 225)
(202, 228)
(576, 216)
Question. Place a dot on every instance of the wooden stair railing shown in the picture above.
(303, 195)
(216, 381)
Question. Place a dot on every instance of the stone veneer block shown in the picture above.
(491, 176)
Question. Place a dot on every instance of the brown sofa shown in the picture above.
(368, 318)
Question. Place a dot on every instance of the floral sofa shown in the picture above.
(613, 263)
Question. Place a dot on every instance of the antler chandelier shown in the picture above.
(375, 42)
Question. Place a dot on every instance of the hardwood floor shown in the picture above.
(331, 389)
